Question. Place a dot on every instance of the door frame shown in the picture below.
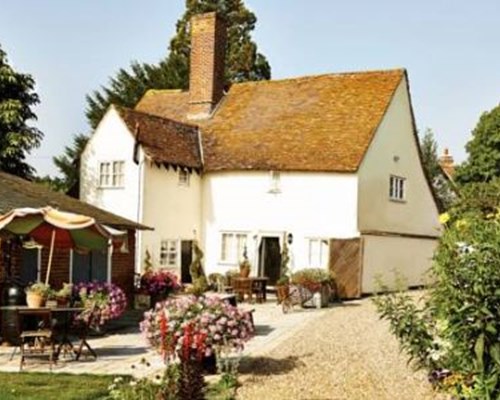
(258, 240)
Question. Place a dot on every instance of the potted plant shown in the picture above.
(63, 295)
(245, 268)
(316, 280)
(158, 284)
(36, 294)
(282, 288)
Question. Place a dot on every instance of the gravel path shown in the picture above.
(346, 353)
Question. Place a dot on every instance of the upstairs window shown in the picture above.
(183, 177)
(397, 188)
(168, 253)
(111, 174)
(274, 182)
(232, 246)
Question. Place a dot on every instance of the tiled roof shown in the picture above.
(317, 123)
(16, 193)
(164, 140)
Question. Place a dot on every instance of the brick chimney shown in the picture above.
(447, 163)
(206, 77)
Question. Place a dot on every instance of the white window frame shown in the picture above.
(397, 188)
(184, 177)
(112, 174)
(233, 252)
(166, 250)
(274, 182)
(323, 257)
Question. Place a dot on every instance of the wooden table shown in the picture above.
(249, 286)
(64, 343)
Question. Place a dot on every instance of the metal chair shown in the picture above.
(36, 335)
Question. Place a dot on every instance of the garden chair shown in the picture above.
(36, 335)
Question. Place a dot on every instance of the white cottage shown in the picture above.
(329, 163)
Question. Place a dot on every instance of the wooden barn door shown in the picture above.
(346, 264)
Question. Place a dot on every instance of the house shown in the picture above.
(329, 164)
(30, 264)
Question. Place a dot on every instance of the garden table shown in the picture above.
(247, 286)
(65, 316)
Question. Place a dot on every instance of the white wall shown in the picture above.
(388, 257)
(111, 141)
(172, 209)
(309, 205)
(395, 139)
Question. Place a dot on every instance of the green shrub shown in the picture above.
(455, 333)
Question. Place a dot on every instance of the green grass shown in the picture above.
(48, 386)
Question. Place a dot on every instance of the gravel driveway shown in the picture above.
(345, 353)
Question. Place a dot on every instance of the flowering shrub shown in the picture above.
(159, 283)
(196, 326)
(312, 278)
(102, 302)
(454, 333)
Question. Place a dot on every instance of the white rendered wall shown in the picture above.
(394, 151)
(309, 205)
(111, 141)
(172, 209)
(385, 258)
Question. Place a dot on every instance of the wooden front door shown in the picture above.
(270, 259)
(346, 264)
(186, 259)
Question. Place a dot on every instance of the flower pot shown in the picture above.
(62, 301)
(35, 300)
(282, 292)
(245, 271)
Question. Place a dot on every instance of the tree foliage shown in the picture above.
(68, 163)
(483, 149)
(441, 185)
(17, 138)
(243, 61)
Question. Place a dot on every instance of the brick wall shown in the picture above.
(122, 272)
(206, 77)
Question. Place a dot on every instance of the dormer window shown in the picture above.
(274, 182)
(183, 177)
(397, 188)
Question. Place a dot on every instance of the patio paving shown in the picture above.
(122, 352)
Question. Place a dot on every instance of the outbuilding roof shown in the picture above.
(16, 193)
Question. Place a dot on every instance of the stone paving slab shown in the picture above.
(122, 352)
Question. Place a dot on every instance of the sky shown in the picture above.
(451, 50)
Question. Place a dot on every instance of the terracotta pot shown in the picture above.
(245, 271)
(282, 292)
(62, 301)
(35, 300)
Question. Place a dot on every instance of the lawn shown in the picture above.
(47, 386)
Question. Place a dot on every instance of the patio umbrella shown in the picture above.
(53, 228)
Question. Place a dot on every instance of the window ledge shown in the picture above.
(111, 187)
(401, 201)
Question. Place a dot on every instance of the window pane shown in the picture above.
(241, 241)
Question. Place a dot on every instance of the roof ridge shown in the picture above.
(317, 76)
(153, 116)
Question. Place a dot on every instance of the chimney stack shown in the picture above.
(447, 163)
(206, 76)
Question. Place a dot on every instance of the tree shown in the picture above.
(243, 61)
(483, 163)
(17, 138)
(69, 164)
(440, 183)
